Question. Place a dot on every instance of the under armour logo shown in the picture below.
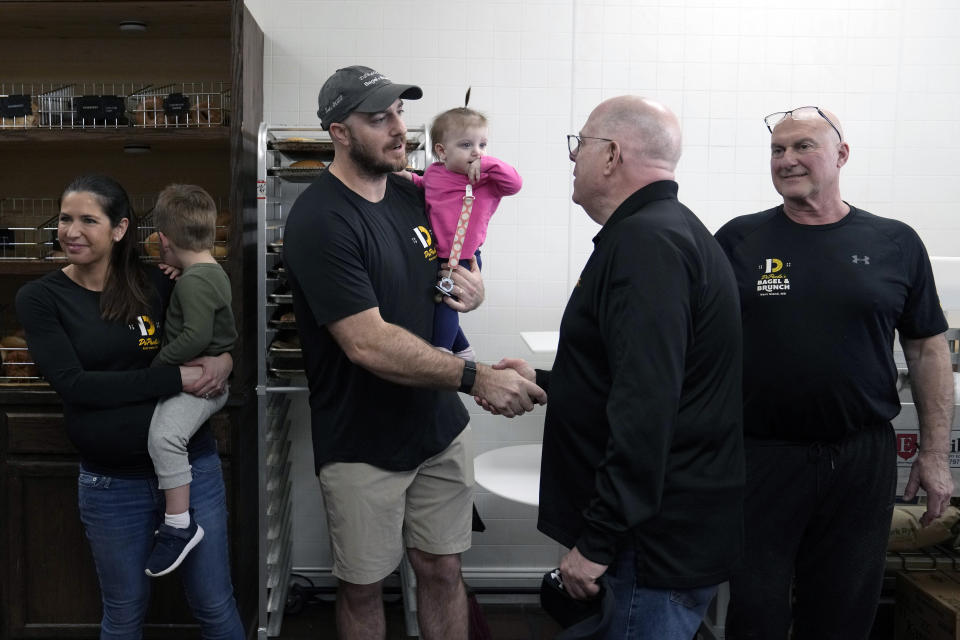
(858, 260)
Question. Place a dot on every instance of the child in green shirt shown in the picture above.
(199, 322)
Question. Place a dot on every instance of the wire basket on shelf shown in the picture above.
(186, 104)
(28, 229)
(87, 105)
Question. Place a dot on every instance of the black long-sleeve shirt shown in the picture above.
(643, 437)
(101, 370)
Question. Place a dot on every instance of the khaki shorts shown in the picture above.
(372, 514)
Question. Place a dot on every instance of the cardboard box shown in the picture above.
(928, 605)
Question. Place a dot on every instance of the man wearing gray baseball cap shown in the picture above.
(390, 435)
(359, 89)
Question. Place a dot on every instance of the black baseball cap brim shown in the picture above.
(382, 97)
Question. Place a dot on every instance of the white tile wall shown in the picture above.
(889, 68)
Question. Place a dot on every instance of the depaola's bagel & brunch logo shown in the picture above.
(773, 279)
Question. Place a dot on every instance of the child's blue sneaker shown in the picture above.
(171, 546)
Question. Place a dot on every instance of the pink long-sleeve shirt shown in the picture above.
(444, 191)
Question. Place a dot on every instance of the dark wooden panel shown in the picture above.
(45, 434)
(37, 433)
(140, 174)
(89, 19)
(52, 579)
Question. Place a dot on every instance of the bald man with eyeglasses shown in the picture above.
(823, 287)
(642, 469)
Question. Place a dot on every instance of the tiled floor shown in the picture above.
(506, 621)
(522, 621)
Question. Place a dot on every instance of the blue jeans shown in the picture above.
(643, 613)
(120, 516)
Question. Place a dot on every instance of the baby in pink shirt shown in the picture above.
(459, 139)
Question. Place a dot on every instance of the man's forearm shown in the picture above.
(399, 356)
(393, 353)
(931, 383)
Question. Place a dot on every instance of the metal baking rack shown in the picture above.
(280, 364)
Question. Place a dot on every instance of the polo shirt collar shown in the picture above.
(659, 190)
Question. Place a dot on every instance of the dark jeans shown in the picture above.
(446, 324)
(817, 517)
(120, 516)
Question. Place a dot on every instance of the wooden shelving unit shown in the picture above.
(49, 587)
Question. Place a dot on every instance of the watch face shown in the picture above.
(468, 377)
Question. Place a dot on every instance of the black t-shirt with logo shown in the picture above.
(101, 370)
(344, 255)
(820, 304)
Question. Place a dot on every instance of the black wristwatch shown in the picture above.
(469, 376)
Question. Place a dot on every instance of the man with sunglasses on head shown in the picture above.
(390, 436)
(823, 287)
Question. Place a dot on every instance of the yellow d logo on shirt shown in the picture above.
(146, 325)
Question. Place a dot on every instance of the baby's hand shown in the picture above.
(404, 174)
(473, 171)
(172, 272)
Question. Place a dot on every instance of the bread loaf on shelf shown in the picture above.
(206, 112)
(307, 164)
(151, 246)
(223, 226)
(17, 361)
(149, 112)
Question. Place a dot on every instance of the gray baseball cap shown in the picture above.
(359, 89)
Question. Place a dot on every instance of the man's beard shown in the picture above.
(367, 162)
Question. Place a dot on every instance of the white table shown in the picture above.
(541, 341)
(511, 472)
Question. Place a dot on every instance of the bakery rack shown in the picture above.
(113, 105)
(288, 158)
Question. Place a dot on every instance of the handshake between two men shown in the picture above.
(510, 389)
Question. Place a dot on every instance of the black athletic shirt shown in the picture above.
(643, 440)
(820, 304)
(101, 370)
(345, 255)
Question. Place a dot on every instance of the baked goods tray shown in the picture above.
(308, 145)
(294, 174)
(282, 324)
(285, 373)
(288, 352)
(286, 363)
(281, 298)
(275, 247)
(300, 145)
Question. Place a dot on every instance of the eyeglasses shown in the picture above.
(800, 113)
(574, 142)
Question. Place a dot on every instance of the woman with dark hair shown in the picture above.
(93, 328)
